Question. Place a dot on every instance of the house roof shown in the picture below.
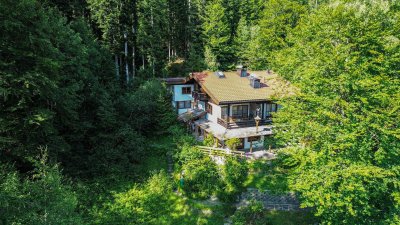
(233, 88)
(175, 80)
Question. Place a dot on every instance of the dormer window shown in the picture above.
(186, 90)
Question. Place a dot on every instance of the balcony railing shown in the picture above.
(232, 122)
(199, 96)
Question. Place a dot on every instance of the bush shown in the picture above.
(142, 204)
(209, 140)
(233, 143)
(253, 214)
(189, 153)
(201, 177)
(234, 174)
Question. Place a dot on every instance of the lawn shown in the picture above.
(265, 175)
(187, 211)
(290, 218)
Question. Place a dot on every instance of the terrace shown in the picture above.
(232, 122)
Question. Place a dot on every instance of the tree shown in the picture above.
(342, 125)
(42, 198)
(40, 79)
(234, 174)
(201, 177)
(153, 34)
(218, 47)
(279, 17)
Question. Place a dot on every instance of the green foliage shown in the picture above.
(232, 143)
(271, 175)
(142, 204)
(278, 19)
(351, 193)
(234, 174)
(209, 140)
(41, 198)
(341, 126)
(218, 48)
(252, 214)
(188, 153)
(201, 177)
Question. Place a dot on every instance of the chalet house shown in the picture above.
(228, 104)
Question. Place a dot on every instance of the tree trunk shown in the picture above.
(116, 66)
(133, 53)
(143, 57)
(126, 59)
(153, 67)
(169, 51)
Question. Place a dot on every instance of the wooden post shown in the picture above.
(251, 146)
(257, 121)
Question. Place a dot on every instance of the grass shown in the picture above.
(290, 218)
(184, 211)
(267, 176)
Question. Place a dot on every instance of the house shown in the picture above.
(229, 104)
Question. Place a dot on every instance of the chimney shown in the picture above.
(255, 82)
(241, 70)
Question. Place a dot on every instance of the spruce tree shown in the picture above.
(217, 34)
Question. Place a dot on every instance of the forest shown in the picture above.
(87, 130)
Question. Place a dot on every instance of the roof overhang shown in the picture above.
(175, 80)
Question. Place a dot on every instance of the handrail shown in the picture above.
(244, 123)
(220, 150)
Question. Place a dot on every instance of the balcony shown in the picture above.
(232, 123)
(199, 96)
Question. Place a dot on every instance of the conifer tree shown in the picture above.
(217, 34)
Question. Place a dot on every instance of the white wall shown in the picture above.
(216, 113)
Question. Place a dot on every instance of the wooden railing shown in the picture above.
(220, 151)
(231, 123)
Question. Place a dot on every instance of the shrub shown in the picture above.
(201, 178)
(142, 204)
(234, 174)
(233, 143)
(189, 153)
(253, 214)
(209, 140)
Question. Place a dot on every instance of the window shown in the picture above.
(183, 104)
(240, 111)
(186, 90)
(269, 109)
(209, 108)
(224, 112)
